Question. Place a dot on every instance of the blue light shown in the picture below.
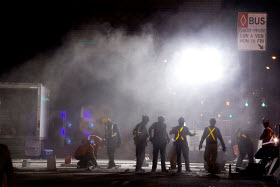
(91, 124)
(91, 141)
(68, 141)
(86, 133)
(62, 132)
(86, 115)
(69, 125)
(63, 115)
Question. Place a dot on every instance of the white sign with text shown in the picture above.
(251, 31)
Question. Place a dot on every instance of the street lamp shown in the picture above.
(274, 57)
(267, 67)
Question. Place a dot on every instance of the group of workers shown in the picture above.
(159, 137)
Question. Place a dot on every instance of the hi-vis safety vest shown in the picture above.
(180, 134)
(268, 140)
(211, 133)
(241, 137)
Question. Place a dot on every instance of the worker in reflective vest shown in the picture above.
(181, 144)
(211, 134)
(112, 139)
(245, 146)
(268, 150)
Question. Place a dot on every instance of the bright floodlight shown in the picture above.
(196, 66)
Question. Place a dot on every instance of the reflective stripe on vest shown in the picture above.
(270, 134)
(211, 133)
(243, 135)
(179, 134)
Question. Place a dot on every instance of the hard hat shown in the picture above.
(161, 119)
(181, 120)
(145, 118)
(265, 120)
(105, 120)
(212, 121)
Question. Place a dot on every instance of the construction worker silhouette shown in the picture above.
(141, 135)
(181, 143)
(211, 134)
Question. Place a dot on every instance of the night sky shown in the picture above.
(31, 27)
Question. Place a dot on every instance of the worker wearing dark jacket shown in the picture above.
(159, 140)
(211, 134)
(140, 134)
(113, 140)
(181, 143)
(245, 146)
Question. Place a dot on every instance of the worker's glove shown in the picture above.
(200, 146)
(224, 149)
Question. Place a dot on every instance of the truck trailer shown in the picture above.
(24, 118)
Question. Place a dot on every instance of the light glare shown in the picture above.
(198, 66)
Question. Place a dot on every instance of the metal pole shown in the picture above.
(250, 71)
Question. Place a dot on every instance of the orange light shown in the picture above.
(228, 103)
(201, 115)
(274, 57)
(267, 67)
(219, 115)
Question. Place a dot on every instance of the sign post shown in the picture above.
(251, 36)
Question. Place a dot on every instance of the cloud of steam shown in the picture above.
(99, 65)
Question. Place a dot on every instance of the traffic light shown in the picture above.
(230, 116)
(201, 102)
(246, 104)
(219, 115)
(263, 102)
(227, 103)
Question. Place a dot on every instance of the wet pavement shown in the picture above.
(36, 174)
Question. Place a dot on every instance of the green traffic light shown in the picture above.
(263, 104)
(230, 116)
(246, 104)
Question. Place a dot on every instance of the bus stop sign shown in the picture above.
(251, 31)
